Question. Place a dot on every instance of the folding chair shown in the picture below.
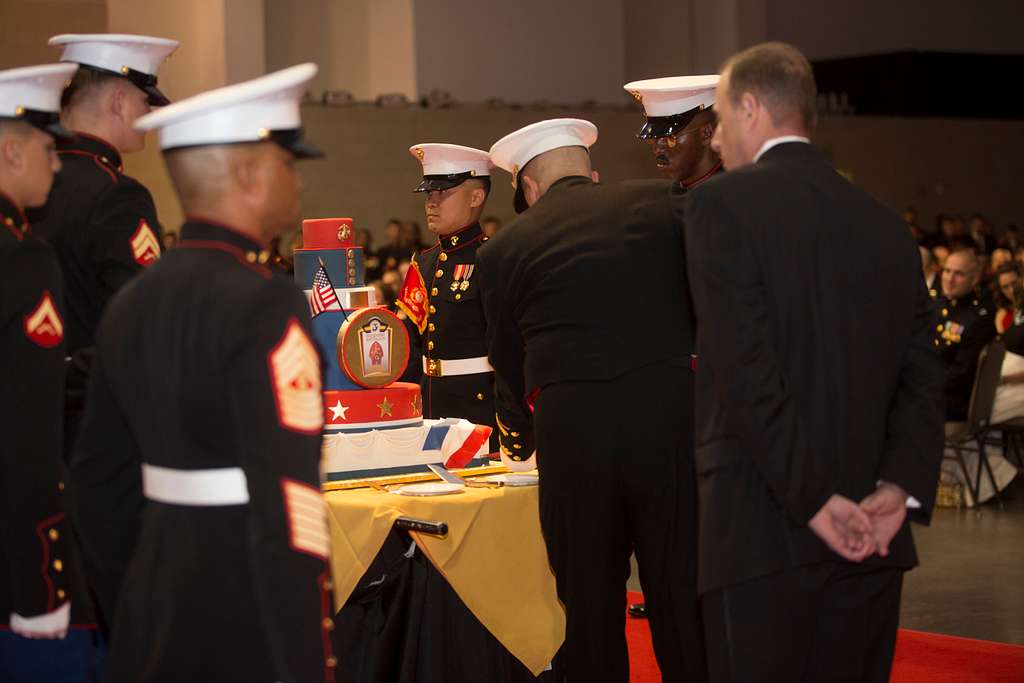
(979, 413)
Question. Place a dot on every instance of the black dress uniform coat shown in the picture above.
(200, 365)
(589, 318)
(817, 376)
(35, 534)
(103, 226)
(962, 329)
(455, 330)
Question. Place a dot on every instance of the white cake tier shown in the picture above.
(399, 451)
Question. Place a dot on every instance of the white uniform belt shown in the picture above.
(220, 486)
(436, 367)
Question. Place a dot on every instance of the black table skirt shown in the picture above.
(403, 623)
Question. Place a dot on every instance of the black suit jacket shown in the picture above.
(585, 286)
(817, 373)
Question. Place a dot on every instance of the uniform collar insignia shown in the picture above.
(11, 217)
(99, 147)
(460, 238)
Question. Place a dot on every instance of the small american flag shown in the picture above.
(322, 298)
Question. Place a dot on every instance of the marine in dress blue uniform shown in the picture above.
(101, 222)
(458, 381)
(196, 475)
(679, 126)
(38, 592)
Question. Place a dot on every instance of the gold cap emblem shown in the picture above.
(637, 95)
(515, 176)
(419, 153)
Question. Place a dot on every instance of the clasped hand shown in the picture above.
(855, 532)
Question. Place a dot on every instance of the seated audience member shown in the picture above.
(1009, 238)
(949, 230)
(364, 239)
(490, 225)
(392, 251)
(392, 282)
(932, 271)
(963, 327)
(981, 232)
(1009, 400)
(999, 257)
(1005, 280)
(411, 239)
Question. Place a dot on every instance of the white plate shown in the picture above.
(430, 488)
(514, 479)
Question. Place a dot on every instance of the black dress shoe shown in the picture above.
(638, 611)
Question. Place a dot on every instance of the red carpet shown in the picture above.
(920, 657)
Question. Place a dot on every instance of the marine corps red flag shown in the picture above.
(413, 298)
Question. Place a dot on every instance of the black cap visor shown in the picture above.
(666, 126)
(293, 140)
(440, 183)
(46, 121)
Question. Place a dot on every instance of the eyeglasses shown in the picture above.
(672, 140)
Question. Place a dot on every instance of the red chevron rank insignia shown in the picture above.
(43, 325)
(145, 247)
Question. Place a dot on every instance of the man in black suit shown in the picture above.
(818, 387)
(607, 373)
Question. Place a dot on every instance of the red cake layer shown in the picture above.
(328, 233)
(363, 408)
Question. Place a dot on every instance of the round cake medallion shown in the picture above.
(373, 347)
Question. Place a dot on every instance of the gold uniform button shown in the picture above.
(455, 239)
(439, 273)
(61, 594)
(938, 328)
(458, 296)
(58, 565)
(514, 434)
(433, 291)
(517, 446)
(433, 309)
(264, 256)
(479, 397)
(250, 256)
(517, 457)
(945, 311)
(53, 535)
(431, 327)
(936, 342)
(332, 662)
(430, 346)
(443, 257)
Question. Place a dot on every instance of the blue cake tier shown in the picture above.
(344, 266)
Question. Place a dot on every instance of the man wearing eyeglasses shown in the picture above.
(679, 126)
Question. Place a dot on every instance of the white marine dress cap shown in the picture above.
(261, 110)
(32, 94)
(514, 151)
(137, 58)
(446, 166)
